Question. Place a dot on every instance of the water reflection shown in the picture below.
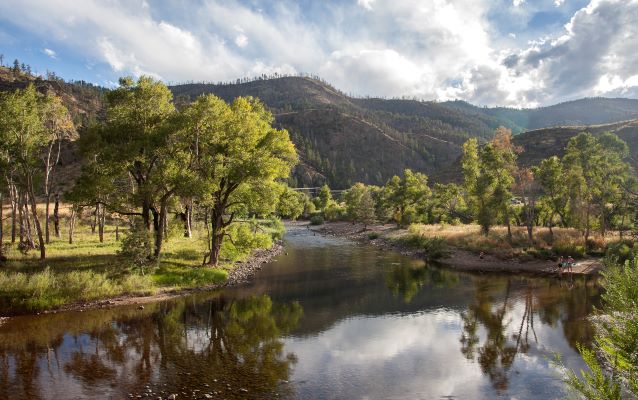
(232, 347)
(405, 280)
(374, 325)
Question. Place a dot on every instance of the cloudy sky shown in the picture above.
(490, 52)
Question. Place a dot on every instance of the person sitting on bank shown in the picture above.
(561, 263)
(570, 263)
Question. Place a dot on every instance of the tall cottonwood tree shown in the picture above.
(134, 161)
(489, 176)
(237, 154)
(23, 137)
(406, 197)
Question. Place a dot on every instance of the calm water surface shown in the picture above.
(328, 320)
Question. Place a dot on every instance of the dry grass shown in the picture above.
(469, 237)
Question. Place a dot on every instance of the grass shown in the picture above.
(89, 270)
(468, 237)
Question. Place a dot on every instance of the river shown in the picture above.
(328, 319)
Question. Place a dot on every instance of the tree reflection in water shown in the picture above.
(496, 305)
(176, 346)
(406, 280)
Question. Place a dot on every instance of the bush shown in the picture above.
(434, 247)
(622, 251)
(567, 250)
(137, 245)
(316, 219)
(373, 235)
(243, 241)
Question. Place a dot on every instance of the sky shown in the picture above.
(517, 53)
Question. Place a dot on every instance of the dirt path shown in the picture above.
(459, 259)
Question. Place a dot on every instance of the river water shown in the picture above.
(329, 319)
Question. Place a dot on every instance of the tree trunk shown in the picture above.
(56, 215)
(101, 216)
(157, 231)
(27, 222)
(587, 224)
(72, 224)
(36, 220)
(14, 211)
(46, 218)
(622, 226)
(94, 221)
(1, 227)
(20, 218)
(509, 225)
(217, 235)
(117, 230)
(188, 221)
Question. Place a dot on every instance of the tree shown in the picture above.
(551, 179)
(291, 203)
(24, 136)
(360, 206)
(57, 125)
(406, 197)
(324, 198)
(488, 174)
(236, 152)
(136, 162)
(447, 202)
(527, 187)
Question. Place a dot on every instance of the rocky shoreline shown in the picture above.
(240, 273)
(459, 259)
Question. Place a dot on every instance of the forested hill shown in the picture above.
(590, 111)
(343, 140)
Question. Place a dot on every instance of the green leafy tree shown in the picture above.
(447, 202)
(324, 198)
(23, 137)
(291, 203)
(407, 197)
(554, 194)
(613, 363)
(360, 205)
(237, 152)
(136, 162)
(489, 177)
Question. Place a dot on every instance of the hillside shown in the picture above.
(590, 111)
(539, 144)
(342, 140)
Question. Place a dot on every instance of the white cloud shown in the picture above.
(367, 4)
(49, 52)
(442, 49)
(558, 3)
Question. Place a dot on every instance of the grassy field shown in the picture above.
(89, 270)
(566, 242)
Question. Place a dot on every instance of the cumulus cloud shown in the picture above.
(441, 50)
(49, 52)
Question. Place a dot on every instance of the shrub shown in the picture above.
(373, 235)
(622, 251)
(137, 245)
(243, 241)
(138, 284)
(567, 250)
(434, 247)
(316, 219)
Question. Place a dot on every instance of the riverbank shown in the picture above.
(388, 237)
(238, 273)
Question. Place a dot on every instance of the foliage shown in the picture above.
(137, 245)
(291, 203)
(613, 363)
(316, 219)
(406, 197)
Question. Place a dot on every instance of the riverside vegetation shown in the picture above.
(195, 178)
(196, 187)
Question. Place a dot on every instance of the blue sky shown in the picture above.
(517, 53)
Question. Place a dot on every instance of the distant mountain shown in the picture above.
(589, 111)
(342, 140)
